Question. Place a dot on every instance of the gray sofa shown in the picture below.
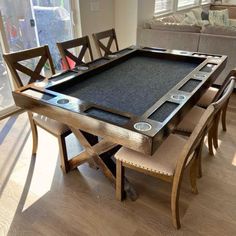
(209, 39)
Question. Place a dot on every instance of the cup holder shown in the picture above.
(63, 101)
(142, 126)
(178, 97)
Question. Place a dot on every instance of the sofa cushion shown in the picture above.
(175, 18)
(219, 30)
(175, 27)
(219, 18)
(232, 23)
(194, 18)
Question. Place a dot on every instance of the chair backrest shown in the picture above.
(229, 88)
(201, 130)
(66, 55)
(229, 77)
(111, 36)
(15, 59)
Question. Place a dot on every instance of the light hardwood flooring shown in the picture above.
(37, 199)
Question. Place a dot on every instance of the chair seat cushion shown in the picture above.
(190, 121)
(50, 125)
(163, 161)
(207, 97)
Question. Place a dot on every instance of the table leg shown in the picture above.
(102, 152)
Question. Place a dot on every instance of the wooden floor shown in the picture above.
(37, 199)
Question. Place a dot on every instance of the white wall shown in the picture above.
(126, 16)
(145, 10)
(123, 15)
(229, 1)
(97, 20)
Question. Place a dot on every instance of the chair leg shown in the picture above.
(175, 206)
(193, 176)
(34, 137)
(210, 143)
(223, 116)
(199, 159)
(63, 154)
(119, 180)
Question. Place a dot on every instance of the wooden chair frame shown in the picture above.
(111, 34)
(192, 147)
(12, 60)
(232, 73)
(75, 43)
(213, 131)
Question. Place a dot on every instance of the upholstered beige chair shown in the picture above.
(83, 44)
(15, 63)
(190, 121)
(172, 157)
(211, 95)
(102, 49)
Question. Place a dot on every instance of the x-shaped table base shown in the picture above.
(101, 152)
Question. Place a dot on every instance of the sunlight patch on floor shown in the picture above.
(234, 160)
(44, 169)
(25, 179)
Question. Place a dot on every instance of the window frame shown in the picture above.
(175, 7)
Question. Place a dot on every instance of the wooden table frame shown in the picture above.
(73, 114)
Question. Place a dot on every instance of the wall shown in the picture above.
(122, 15)
(126, 22)
(229, 1)
(96, 20)
(145, 10)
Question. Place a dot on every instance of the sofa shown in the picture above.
(202, 36)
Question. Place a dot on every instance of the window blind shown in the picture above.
(187, 3)
(162, 6)
(206, 1)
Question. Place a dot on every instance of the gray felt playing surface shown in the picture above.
(132, 86)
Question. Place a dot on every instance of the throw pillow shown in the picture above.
(197, 13)
(205, 15)
(220, 18)
(232, 23)
(189, 19)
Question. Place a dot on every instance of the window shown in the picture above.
(205, 1)
(187, 3)
(163, 6)
(172, 6)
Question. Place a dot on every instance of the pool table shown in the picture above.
(134, 97)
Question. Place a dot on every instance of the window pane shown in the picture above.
(206, 1)
(186, 3)
(163, 6)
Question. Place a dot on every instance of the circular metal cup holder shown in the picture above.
(142, 126)
(63, 101)
(82, 68)
(40, 84)
(178, 97)
(200, 76)
(112, 56)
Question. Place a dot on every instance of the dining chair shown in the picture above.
(19, 67)
(172, 157)
(188, 123)
(211, 95)
(167, 163)
(105, 48)
(70, 59)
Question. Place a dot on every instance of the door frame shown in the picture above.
(5, 49)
